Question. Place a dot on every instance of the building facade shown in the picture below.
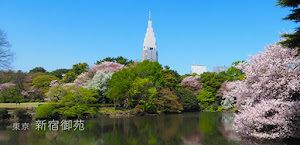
(149, 47)
(218, 69)
(198, 69)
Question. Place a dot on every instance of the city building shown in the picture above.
(198, 69)
(218, 69)
(149, 49)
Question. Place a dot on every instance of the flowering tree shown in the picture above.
(192, 83)
(6, 86)
(268, 98)
(106, 67)
(99, 82)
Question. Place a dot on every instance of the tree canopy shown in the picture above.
(119, 59)
(291, 40)
(37, 69)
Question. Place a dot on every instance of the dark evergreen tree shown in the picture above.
(291, 40)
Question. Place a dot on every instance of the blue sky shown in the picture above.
(59, 33)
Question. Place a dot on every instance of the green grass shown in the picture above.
(109, 110)
(22, 105)
(112, 111)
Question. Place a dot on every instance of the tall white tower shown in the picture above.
(149, 49)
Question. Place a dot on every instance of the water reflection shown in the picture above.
(189, 128)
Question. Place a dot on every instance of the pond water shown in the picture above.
(187, 128)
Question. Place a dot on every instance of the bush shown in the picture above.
(4, 113)
(21, 113)
(139, 110)
(76, 102)
(150, 108)
(44, 111)
(221, 109)
(38, 100)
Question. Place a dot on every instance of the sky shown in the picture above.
(59, 33)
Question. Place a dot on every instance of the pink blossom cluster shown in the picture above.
(105, 66)
(268, 98)
(6, 86)
(192, 83)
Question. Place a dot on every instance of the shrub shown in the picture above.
(4, 113)
(21, 113)
(76, 102)
(221, 109)
(38, 100)
(44, 111)
(151, 108)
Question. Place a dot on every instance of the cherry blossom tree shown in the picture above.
(99, 83)
(106, 67)
(6, 86)
(192, 83)
(269, 96)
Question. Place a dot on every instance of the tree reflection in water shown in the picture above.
(189, 128)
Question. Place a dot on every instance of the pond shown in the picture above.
(187, 128)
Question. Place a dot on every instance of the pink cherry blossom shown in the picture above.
(268, 98)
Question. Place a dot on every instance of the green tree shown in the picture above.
(122, 81)
(119, 85)
(76, 70)
(169, 78)
(6, 76)
(206, 98)
(80, 68)
(43, 82)
(234, 73)
(69, 77)
(142, 89)
(37, 69)
(150, 70)
(187, 99)
(119, 59)
(10, 95)
(44, 111)
(59, 72)
(212, 81)
(77, 102)
(168, 102)
(291, 40)
(211, 84)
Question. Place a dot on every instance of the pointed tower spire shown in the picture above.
(149, 49)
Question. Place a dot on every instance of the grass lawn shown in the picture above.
(22, 105)
(109, 110)
(112, 111)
